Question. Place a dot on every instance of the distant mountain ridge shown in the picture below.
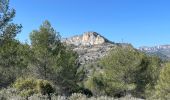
(162, 51)
(155, 48)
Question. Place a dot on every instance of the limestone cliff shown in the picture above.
(86, 39)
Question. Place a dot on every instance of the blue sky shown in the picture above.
(139, 22)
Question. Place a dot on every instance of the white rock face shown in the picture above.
(99, 40)
(87, 39)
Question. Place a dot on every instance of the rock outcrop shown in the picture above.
(86, 39)
(91, 46)
(89, 54)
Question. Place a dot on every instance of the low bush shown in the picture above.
(9, 94)
(26, 87)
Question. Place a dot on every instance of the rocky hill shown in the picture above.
(86, 39)
(162, 51)
(90, 46)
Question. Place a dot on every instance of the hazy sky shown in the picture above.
(139, 22)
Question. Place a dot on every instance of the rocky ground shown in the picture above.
(88, 54)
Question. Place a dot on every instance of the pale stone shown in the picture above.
(88, 38)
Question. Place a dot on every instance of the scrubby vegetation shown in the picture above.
(47, 69)
(163, 85)
(29, 86)
(125, 71)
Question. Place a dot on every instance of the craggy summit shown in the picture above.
(86, 39)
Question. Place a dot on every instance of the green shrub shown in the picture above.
(96, 84)
(44, 87)
(82, 90)
(29, 86)
(163, 85)
(25, 87)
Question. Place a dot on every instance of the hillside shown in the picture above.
(90, 46)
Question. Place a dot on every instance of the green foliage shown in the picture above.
(8, 30)
(118, 72)
(146, 78)
(163, 85)
(53, 60)
(25, 87)
(11, 62)
(45, 46)
(45, 87)
(96, 84)
(125, 71)
(29, 86)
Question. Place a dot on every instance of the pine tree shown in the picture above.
(163, 85)
(11, 50)
(52, 60)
